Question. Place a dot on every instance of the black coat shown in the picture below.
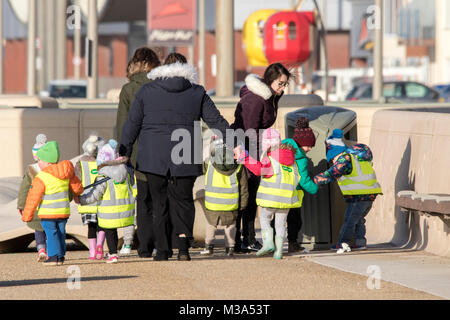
(166, 109)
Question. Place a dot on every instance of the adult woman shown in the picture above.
(171, 104)
(143, 61)
(257, 109)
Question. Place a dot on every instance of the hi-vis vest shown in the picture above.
(361, 180)
(116, 209)
(88, 174)
(279, 191)
(221, 191)
(55, 201)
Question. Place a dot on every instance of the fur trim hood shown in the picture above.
(257, 86)
(177, 69)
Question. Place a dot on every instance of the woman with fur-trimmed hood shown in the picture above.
(143, 61)
(171, 103)
(257, 110)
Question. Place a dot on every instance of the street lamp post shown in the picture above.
(225, 48)
(378, 52)
(92, 53)
(31, 63)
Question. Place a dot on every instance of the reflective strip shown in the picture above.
(56, 196)
(55, 205)
(86, 173)
(221, 200)
(275, 198)
(115, 215)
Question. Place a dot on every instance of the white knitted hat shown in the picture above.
(41, 139)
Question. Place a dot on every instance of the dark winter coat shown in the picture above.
(167, 109)
(126, 98)
(257, 109)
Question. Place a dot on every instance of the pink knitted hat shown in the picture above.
(270, 137)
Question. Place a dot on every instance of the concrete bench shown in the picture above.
(424, 203)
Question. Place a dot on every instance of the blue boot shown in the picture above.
(268, 246)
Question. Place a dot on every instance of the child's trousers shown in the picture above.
(55, 231)
(266, 215)
(230, 234)
(112, 240)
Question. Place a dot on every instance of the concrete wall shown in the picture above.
(411, 152)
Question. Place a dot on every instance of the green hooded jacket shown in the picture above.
(306, 183)
(126, 99)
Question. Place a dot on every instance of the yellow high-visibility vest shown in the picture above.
(361, 180)
(89, 172)
(55, 201)
(279, 191)
(221, 191)
(116, 209)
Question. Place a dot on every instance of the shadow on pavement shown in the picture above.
(30, 282)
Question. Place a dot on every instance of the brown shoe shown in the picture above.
(295, 247)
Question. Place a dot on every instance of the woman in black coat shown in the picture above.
(166, 115)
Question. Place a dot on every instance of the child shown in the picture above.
(224, 181)
(35, 224)
(277, 191)
(49, 194)
(303, 141)
(116, 196)
(352, 168)
(86, 171)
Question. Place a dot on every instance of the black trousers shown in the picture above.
(248, 215)
(294, 224)
(173, 208)
(112, 240)
(144, 220)
(93, 228)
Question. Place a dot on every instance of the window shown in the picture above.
(415, 90)
(280, 29)
(292, 31)
(392, 90)
(260, 24)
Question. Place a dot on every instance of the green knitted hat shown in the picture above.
(49, 152)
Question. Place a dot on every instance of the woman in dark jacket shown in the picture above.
(166, 116)
(257, 109)
(143, 61)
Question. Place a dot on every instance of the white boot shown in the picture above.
(278, 254)
(268, 246)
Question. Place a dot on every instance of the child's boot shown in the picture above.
(268, 246)
(278, 254)
(92, 248)
(100, 241)
(209, 250)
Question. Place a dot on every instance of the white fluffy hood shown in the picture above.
(257, 86)
(177, 69)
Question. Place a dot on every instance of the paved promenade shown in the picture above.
(318, 275)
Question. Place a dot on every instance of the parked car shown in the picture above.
(405, 91)
(237, 88)
(444, 90)
(66, 89)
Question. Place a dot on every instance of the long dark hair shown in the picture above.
(144, 59)
(274, 71)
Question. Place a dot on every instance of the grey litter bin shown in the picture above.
(322, 213)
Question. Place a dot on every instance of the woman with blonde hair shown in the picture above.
(142, 62)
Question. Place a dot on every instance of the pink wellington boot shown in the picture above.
(92, 248)
(100, 242)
